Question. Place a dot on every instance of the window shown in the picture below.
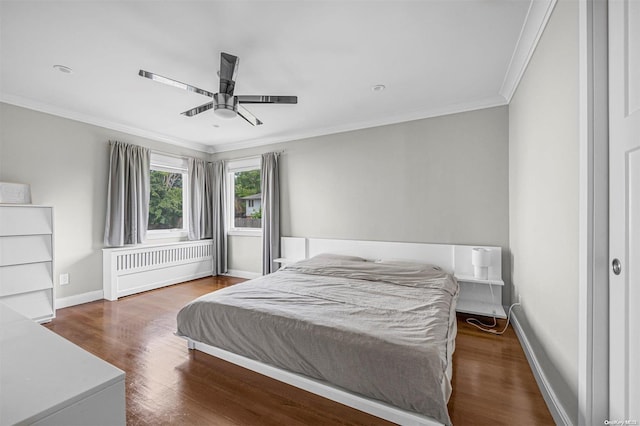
(168, 207)
(244, 204)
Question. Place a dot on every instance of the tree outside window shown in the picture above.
(247, 202)
(165, 202)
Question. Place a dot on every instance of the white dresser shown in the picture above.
(47, 380)
(26, 260)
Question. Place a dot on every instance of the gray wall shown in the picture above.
(438, 180)
(244, 255)
(543, 202)
(66, 163)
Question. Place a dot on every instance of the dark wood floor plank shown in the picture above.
(168, 384)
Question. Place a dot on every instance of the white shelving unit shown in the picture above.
(480, 297)
(26, 260)
(284, 261)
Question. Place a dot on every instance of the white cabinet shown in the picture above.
(284, 261)
(480, 297)
(26, 260)
(47, 380)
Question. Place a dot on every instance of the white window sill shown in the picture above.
(165, 234)
(250, 232)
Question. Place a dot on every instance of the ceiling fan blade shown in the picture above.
(228, 72)
(264, 99)
(174, 83)
(242, 112)
(198, 109)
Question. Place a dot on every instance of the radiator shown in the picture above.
(130, 270)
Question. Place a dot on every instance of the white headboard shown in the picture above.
(454, 259)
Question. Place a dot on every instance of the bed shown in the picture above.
(378, 333)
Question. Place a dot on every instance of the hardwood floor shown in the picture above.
(492, 381)
(168, 384)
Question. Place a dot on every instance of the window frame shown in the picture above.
(171, 164)
(232, 167)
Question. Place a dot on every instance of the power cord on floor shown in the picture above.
(488, 327)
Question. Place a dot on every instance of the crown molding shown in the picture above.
(534, 25)
(235, 146)
(96, 121)
(347, 127)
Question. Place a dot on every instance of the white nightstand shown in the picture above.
(480, 297)
(285, 261)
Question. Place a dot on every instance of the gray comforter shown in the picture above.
(383, 330)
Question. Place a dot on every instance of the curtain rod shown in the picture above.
(248, 157)
(168, 154)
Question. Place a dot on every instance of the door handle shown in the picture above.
(616, 266)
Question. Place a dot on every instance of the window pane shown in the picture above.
(165, 203)
(247, 201)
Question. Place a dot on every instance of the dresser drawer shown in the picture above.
(37, 305)
(23, 220)
(25, 249)
(23, 278)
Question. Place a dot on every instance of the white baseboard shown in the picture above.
(242, 274)
(79, 299)
(556, 408)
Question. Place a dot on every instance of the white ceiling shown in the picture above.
(434, 57)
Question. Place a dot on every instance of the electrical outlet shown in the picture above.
(64, 279)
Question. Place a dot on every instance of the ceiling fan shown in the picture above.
(225, 103)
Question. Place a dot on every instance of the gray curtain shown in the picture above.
(270, 185)
(200, 198)
(127, 195)
(218, 201)
(207, 208)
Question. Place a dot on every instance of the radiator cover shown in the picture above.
(131, 270)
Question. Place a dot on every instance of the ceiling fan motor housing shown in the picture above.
(225, 105)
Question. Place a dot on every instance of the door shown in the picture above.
(624, 210)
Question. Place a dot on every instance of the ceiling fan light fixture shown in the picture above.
(225, 106)
(225, 113)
